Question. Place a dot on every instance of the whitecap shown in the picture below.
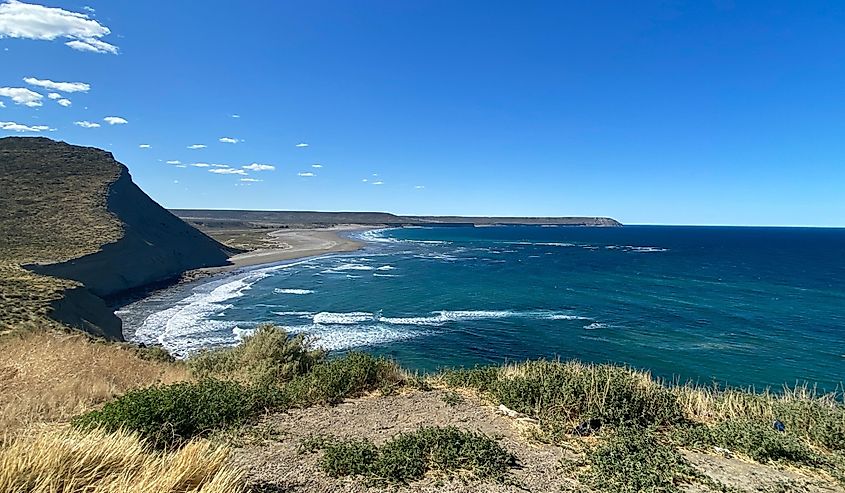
(334, 318)
(595, 326)
(294, 314)
(337, 338)
(345, 267)
(292, 291)
(240, 333)
(187, 326)
(648, 249)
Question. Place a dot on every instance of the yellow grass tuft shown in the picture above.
(50, 376)
(68, 461)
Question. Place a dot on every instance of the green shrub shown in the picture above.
(333, 380)
(451, 398)
(409, 456)
(171, 414)
(269, 356)
(563, 394)
(154, 353)
(352, 457)
(757, 440)
(819, 421)
(633, 460)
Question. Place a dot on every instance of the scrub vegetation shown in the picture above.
(410, 456)
(87, 415)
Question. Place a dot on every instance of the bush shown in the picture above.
(332, 381)
(154, 353)
(757, 440)
(819, 421)
(633, 460)
(353, 457)
(561, 395)
(170, 415)
(409, 456)
(268, 356)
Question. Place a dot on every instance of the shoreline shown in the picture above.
(291, 244)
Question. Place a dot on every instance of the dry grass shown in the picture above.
(67, 461)
(25, 298)
(53, 206)
(49, 376)
(708, 405)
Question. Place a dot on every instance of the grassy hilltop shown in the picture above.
(69, 218)
(81, 414)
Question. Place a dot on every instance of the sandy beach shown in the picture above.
(291, 244)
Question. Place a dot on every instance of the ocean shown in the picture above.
(744, 307)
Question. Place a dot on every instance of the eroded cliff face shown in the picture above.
(71, 213)
(156, 246)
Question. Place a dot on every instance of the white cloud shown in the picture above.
(251, 180)
(2, 104)
(176, 181)
(209, 165)
(227, 171)
(21, 95)
(92, 45)
(419, 187)
(306, 174)
(229, 140)
(174, 161)
(259, 167)
(89, 9)
(64, 102)
(19, 127)
(87, 124)
(378, 182)
(115, 120)
(54, 95)
(317, 166)
(365, 180)
(58, 86)
(30, 21)
(197, 146)
(144, 146)
(236, 116)
(302, 144)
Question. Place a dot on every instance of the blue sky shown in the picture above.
(649, 112)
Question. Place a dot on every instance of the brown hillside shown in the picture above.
(73, 217)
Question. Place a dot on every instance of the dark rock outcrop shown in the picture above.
(156, 246)
(80, 309)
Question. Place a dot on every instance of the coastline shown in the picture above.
(289, 244)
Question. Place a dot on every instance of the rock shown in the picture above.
(508, 412)
(587, 428)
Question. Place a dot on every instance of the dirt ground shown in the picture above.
(270, 454)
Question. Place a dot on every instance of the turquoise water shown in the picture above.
(742, 306)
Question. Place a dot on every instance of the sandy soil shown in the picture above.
(298, 243)
(287, 244)
(273, 463)
(278, 462)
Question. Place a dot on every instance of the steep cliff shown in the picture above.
(74, 219)
(156, 246)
